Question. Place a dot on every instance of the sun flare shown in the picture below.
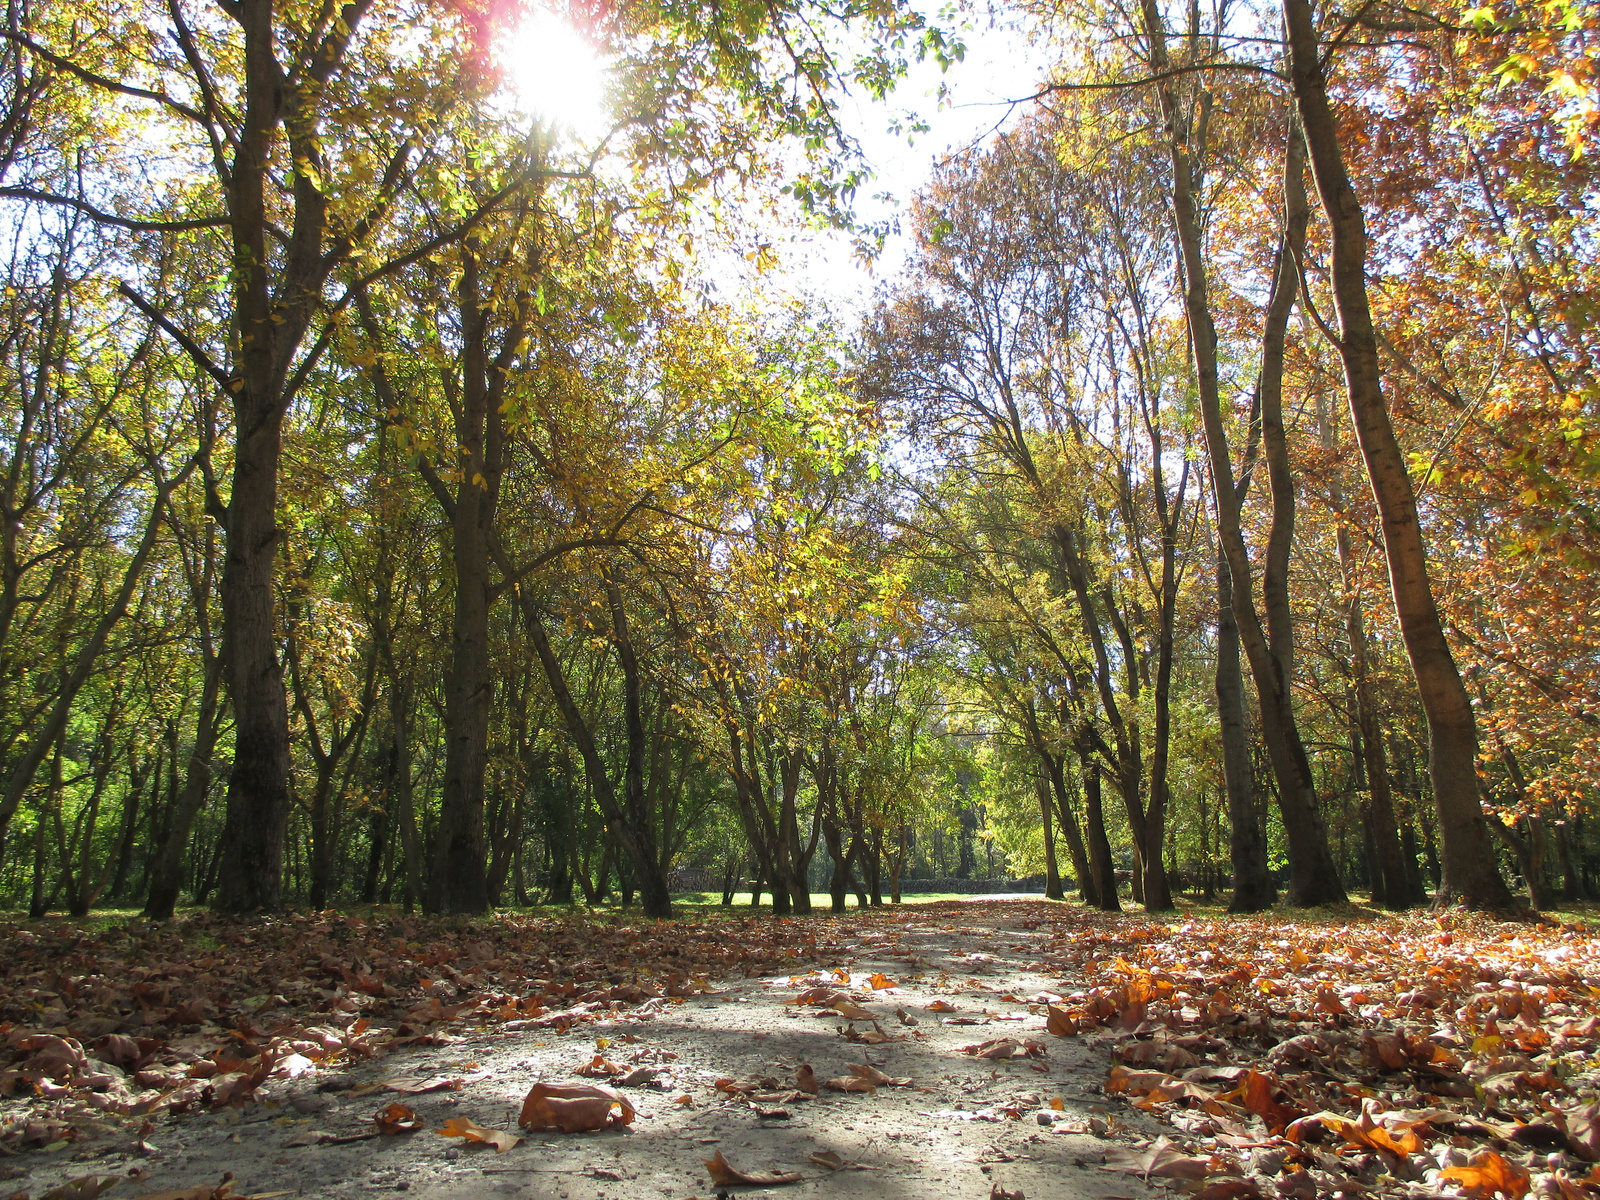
(555, 74)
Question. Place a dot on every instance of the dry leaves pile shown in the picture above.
(102, 1029)
(1412, 1056)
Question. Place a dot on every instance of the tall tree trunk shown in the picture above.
(1391, 886)
(637, 841)
(130, 821)
(1471, 874)
(1102, 866)
(458, 882)
(1069, 824)
(166, 874)
(1314, 878)
(1052, 873)
(1253, 889)
(1572, 886)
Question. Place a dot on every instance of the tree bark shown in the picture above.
(1471, 876)
(1101, 865)
(166, 874)
(1253, 889)
(1314, 877)
(1052, 873)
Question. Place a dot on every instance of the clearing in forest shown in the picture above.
(961, 1049)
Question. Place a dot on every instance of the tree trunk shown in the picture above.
(1052, 874)
(166, 875)
(1253, 889)
(1102, 866)
(1069, 825)
(1471, 874)
(1314, 878)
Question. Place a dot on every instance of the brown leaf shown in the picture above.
(879, 981)
(222, 1191)
(724, 1175)
(831, 1160)
(580, 1108)
(475, 1134)
(941, 1006)
(1163, 1160)
(1228, 1187)
(309, 1137)
(876, 1077)
(996, 1192)
(85, 1187)
(396, 1119)
(1257, 1094)
(850, 1083)
(601, 1067)
(851, 1011)
(821, 996)
(805, 1079)
(413, 1085)
(1059, 1022)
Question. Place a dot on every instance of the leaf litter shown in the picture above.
(1402, 1056)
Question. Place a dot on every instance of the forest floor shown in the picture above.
(963, 1049)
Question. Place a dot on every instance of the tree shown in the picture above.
(1472, 876)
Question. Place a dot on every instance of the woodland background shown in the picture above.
(402, 501)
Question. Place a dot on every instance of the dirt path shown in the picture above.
(964, 1125)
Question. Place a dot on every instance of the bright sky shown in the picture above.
(998, 68)
(556, 76)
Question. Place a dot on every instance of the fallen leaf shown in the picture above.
(879, 981)
(309, 1137)
(941, 1006)
(396, 1119)
(579, 1108)
(222, 1191)
(876, 1077)
(1488, 1174)
(1001, 1049)
(805, 1079)
(1059, 1022)
(1162, 1160)
(724, 1175)
(850, 1083)
(997, 1192)
(475, 1134)
(85, 1187)
(851, 1011)
(412, 1085)
(820, 996)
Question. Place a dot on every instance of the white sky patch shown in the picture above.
(1000, 67)
(555, 75)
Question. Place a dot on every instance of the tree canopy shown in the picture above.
(406, 498)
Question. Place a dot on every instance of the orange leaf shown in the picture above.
(1491, 1173)
(724, 1175)
(396, 1119)
(1059, 1022)
(575, 1109)
(472, 1132)
(1256, 1093)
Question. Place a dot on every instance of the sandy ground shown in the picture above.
(965, 1126)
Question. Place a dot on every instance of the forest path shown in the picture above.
(963, 1125)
